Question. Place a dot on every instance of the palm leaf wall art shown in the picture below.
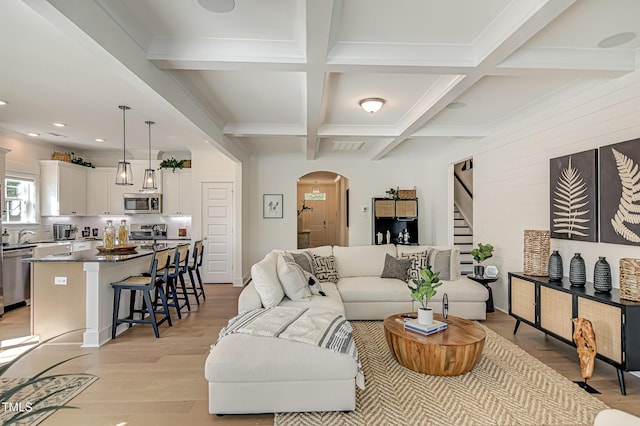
(620, 189)
(574, 197)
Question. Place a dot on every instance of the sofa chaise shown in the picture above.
(254, 374)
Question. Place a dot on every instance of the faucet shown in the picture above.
(24, 232)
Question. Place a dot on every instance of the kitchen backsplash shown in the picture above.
(44, 231)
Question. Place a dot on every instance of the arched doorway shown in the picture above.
(322, 207)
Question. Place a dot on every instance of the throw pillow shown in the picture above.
(440, 261)
(291, 275)
(324, 267)
(419, 261)
(314, 284)
(395, 268)
(305, 260)
(265, 279)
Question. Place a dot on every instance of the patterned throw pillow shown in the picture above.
(324, 267)
(314, 284)
(292, 278)
(440, 261)
(395, 268)
(305, 260)
(419, 261)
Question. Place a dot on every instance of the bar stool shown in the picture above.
(145, 284)
(177, 268)
(198, 250)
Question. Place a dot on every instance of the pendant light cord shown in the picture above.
(150, 123)
(124, 109)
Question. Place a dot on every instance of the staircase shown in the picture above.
(463, 238)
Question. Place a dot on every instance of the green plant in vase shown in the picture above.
(422, 290)
(480, 254)
(171, 163)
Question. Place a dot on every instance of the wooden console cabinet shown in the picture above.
(550, 307)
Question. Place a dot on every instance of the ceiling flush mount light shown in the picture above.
(372, 104)
(616, 40)
(218, 6)
(124, 175)
(149, 174)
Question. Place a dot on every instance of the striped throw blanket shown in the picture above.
(317, 327)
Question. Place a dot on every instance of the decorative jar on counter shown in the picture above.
(123, 233)
(109, 236)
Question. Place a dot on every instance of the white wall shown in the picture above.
(367, 179)
(511, 174)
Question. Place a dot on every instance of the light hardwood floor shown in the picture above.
(144, 380)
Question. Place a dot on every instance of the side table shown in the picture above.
(485, 282)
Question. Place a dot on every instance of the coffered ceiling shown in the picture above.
(284, 77)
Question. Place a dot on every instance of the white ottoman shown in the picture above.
(252, 374)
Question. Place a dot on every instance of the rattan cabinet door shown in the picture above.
(556, 312)
(523, 299)
(607, 325)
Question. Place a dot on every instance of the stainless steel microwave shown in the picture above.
(142, 203)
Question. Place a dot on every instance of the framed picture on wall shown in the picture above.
(272, 206)
(620, 193)
(574, 196)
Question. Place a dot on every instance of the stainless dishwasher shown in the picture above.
(16, 277)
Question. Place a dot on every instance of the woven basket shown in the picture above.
(406, 194)
(186, 164)
(61, 156)
(630, 279)
(536, 252)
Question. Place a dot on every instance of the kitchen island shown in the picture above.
(73, 291)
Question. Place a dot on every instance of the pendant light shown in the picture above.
(149, 174)
(315, 189)
(124, 175)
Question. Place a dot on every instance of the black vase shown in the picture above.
(577, 273)
(478, 271)
(602, 276)
(555, 266)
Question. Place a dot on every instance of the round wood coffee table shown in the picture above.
(450, 352)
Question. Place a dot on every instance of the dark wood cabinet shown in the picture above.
(397, 217)
(550, 306)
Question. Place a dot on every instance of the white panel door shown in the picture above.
(217, 229)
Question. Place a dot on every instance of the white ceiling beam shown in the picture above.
(260, 129)
(99, 27)
(551, 58)
(319, 21)
(497, 43)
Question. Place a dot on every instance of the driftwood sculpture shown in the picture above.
(585, 340)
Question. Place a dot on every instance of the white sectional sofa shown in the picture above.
(361, 294)
(254, 374)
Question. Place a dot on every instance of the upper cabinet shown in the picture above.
(177, 192)
(63, 188)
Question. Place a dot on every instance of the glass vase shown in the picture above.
(556, 269)
(602, 276)
(577, 272)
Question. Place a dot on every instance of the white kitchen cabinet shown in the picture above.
(177, 192)
(103, 195)
(3, 154)
(64, 187)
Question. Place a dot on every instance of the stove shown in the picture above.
(147, 231)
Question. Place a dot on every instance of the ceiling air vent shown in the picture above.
(347, 145)
(57, 135)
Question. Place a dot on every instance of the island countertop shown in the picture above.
(91, 255)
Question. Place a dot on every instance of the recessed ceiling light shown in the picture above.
(218, 6)
(100, 140)
(33, 134)
(616, 40)
(456, 105)
(59, 124)
(2, 103)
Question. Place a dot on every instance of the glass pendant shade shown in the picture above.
(149, 179)
(124, 175)
(149, 173)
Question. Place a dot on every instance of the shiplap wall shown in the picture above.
(511, 173)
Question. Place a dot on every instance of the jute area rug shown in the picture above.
(57, 391)
(507, 387)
